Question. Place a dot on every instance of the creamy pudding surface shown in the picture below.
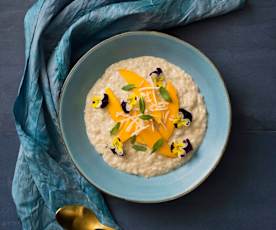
(145, 116)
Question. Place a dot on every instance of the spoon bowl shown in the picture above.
(78, 217)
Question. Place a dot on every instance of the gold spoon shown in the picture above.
(78, 217)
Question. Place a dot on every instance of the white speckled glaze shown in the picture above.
(98, 122)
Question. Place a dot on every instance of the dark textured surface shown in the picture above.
(240, 194)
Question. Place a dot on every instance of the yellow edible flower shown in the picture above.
(117, 146)
(179, 121)
(96, 101)
(158, 81)
(178, 147)
(132, 100)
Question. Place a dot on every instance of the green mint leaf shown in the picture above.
(157, 145)
(132, 139)
(115, 129)
(146, 117)
(141, 148)
(142, 105)
(165, 94)
(128, 87)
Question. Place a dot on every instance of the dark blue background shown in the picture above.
(241, 192)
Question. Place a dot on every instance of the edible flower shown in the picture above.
(158, 78)
(128, 104)
(100, 101)
(181, 148)
(117, 147)
(183, 119)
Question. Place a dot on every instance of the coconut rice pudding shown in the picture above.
(145, 116)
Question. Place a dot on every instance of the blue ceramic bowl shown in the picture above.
(134, 188)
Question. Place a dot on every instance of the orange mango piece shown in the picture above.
(157, 114)
(114, 105)
(133, 78)
(149, 137)
(173, 108)
(125, 135)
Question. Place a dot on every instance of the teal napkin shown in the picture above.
(57, 33)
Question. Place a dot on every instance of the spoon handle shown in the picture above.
(104, 228)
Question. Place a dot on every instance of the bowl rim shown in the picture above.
(175, 39)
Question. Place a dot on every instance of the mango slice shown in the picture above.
(133, 78)
(149, 137)
(125, 135)
(114, 105)
(173, 108)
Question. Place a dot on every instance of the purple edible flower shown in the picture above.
(104, 101)
(158, 71)
(124, 106)
(189, 146)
